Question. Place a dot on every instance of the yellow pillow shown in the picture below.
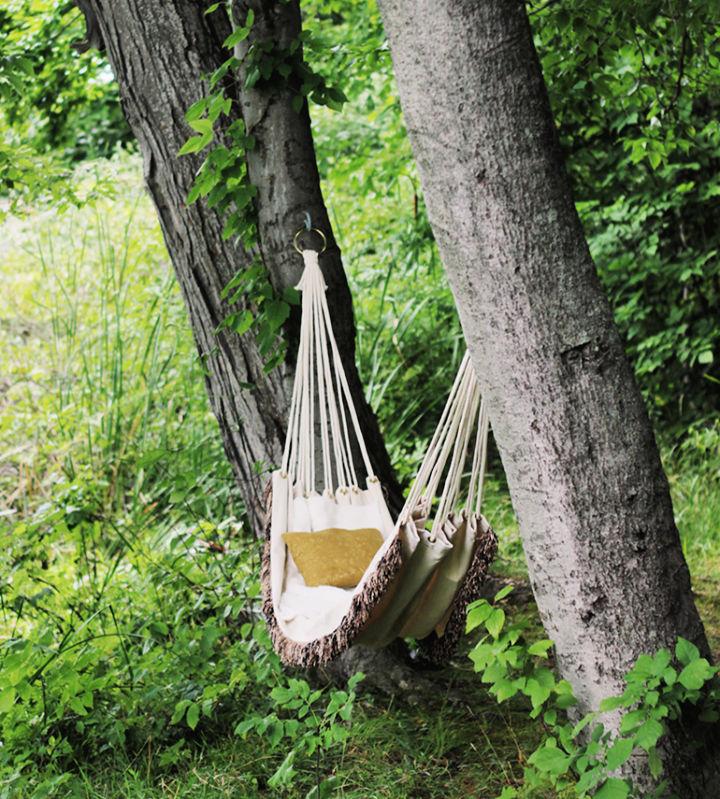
(333, 557)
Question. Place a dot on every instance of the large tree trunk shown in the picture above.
(587, 485)
(161, 53)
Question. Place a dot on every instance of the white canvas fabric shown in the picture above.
(430, 605)
(304, 612)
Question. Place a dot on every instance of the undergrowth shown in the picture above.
(133, 660)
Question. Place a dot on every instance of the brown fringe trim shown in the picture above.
(438, 649)
(328, 647)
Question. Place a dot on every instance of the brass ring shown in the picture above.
(312, 230)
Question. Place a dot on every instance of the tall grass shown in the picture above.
(98, 363)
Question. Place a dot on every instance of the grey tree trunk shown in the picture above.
(161, 54)
(586, 481)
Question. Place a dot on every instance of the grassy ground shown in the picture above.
(108, 450)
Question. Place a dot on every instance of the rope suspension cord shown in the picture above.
(320, 379)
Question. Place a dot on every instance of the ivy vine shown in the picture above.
(223, 182)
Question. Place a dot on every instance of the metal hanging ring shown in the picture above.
(296, 238)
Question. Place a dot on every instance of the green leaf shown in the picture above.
(540, 686)
(276, 312)
(193, 716)
(619, 752)
(212, 8)
(495, 622)
(504, 689)
(7, 699)
(282, 695)
(202, 125)
(670, 676)
(584, 721)
(242, 322)
(696, 674)
(613, 703)
(285, 772)
(540, 648)
(503, 592)
(551, 760)
(655, 763)
(237, 36)
(685, 651)
(648, 734)
(196, 143)
(196, 110)
(613, 788)
(477, 613)
(244, 727)
(252, 78)
(326, 789)
(180, 709)
(705, 357)
(355, 680)
(590, 778)
(632, 720)
(661, 661)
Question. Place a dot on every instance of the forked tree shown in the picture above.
(583, 468)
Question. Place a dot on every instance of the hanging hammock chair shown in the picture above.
(337, 570)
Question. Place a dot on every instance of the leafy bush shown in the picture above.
(584, 757)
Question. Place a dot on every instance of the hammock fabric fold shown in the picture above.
(430, 563)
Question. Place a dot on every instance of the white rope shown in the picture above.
(340, 373)
(451, 488)
(320, 378)
(322, 406)
(433, 449)
(447, 453)
(483, 425)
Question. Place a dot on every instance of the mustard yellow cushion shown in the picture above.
(335, 556)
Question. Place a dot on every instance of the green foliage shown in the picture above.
(305, 725)
(129, 598)
(57, 107)
(54, 97)
(634, 89)
(584, 757)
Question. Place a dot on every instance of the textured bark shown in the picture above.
(592, 501)
(160, 52)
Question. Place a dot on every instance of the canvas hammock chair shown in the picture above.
(337, 569)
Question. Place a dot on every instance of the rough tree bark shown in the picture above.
(161, 54)
(585, 476)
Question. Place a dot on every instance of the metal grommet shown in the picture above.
(355, 489)
(296, 238)
(373, 479)
(283, 475)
